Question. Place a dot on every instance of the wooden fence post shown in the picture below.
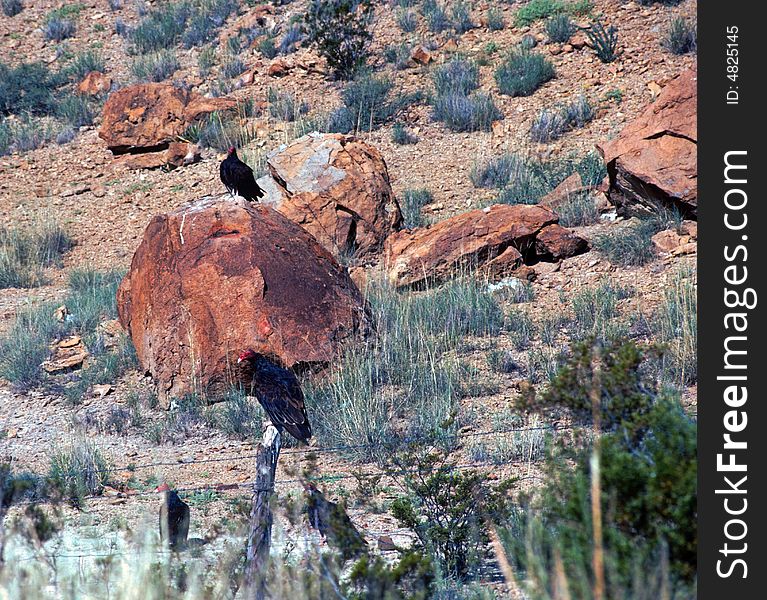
(260, 531)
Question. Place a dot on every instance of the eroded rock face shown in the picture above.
(654, 159)
(147, 117)
(220, 275)
(337, 188)
(498, 238)
(555, 242)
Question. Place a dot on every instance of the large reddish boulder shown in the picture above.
(653, 161)
(555, 242)
(148, 116)
(337, 188)
(221, 275)
(498, 239)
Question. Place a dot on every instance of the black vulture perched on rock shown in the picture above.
(278, 391)
(174, 518)
(238, 177)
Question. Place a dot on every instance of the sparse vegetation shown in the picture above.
(368, 104)
(456, 103)
(407, 20)
(604, 41)
(285, 106)
(58, 29)
(577, 210)
(155, 67)
(495, 21)
(436, 16)
(523, 72)
(77, 471)
(461, 13)
(595, 311)
(560, 28)
(402, 136)
(630, 245)
(681, 36)
(553, 124)
(340, 30)
(411, 203)
(543, 9)
(25, 253)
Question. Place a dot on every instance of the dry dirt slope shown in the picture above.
(106, 208)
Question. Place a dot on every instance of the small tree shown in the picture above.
(340, 30)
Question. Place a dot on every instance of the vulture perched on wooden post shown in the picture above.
(331, 520)
(174, 518)
(238, 177)
(278, 391)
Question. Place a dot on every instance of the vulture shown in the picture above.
(331, 520)
(238, 177)
(278, 391)
(174, 518)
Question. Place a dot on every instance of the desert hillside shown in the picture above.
(477, 218)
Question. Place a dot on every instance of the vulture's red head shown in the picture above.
(232, 150)
(246, 356)
(162, 488)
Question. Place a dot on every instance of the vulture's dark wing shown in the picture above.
(238, 176)
(280, 394)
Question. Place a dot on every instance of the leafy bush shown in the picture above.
(411, 203)
(560, 28)
(446, 507)
(648, 486)
(681, 36)
(523, 72)
(155, 67)
(604, 41)
(11, 8)
(27, 88)
(340, 29)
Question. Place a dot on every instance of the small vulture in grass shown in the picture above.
(174, 518)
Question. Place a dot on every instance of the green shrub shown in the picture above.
(233, 67)
(11, 8)
(85, 62)
(340, 30)
(25, 134)
(155, 67)
(411, 203)
(495, 21)
(552, 124)
(398, 55)
(648, 487)
(681, 36)
(436, 16)
(159, 29)
(523, 72)
(76, 110)
(26, 88)
(206, 60)
(446, 508)
(58, 29)
(267, 47)
(368, 104)
(604, 41)
(543, 9)
(78, 471)
(560, 28)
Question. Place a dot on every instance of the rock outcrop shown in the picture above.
(496, 240)
(217, 276)
(337, 188)
(147, 117)
(653, 161)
